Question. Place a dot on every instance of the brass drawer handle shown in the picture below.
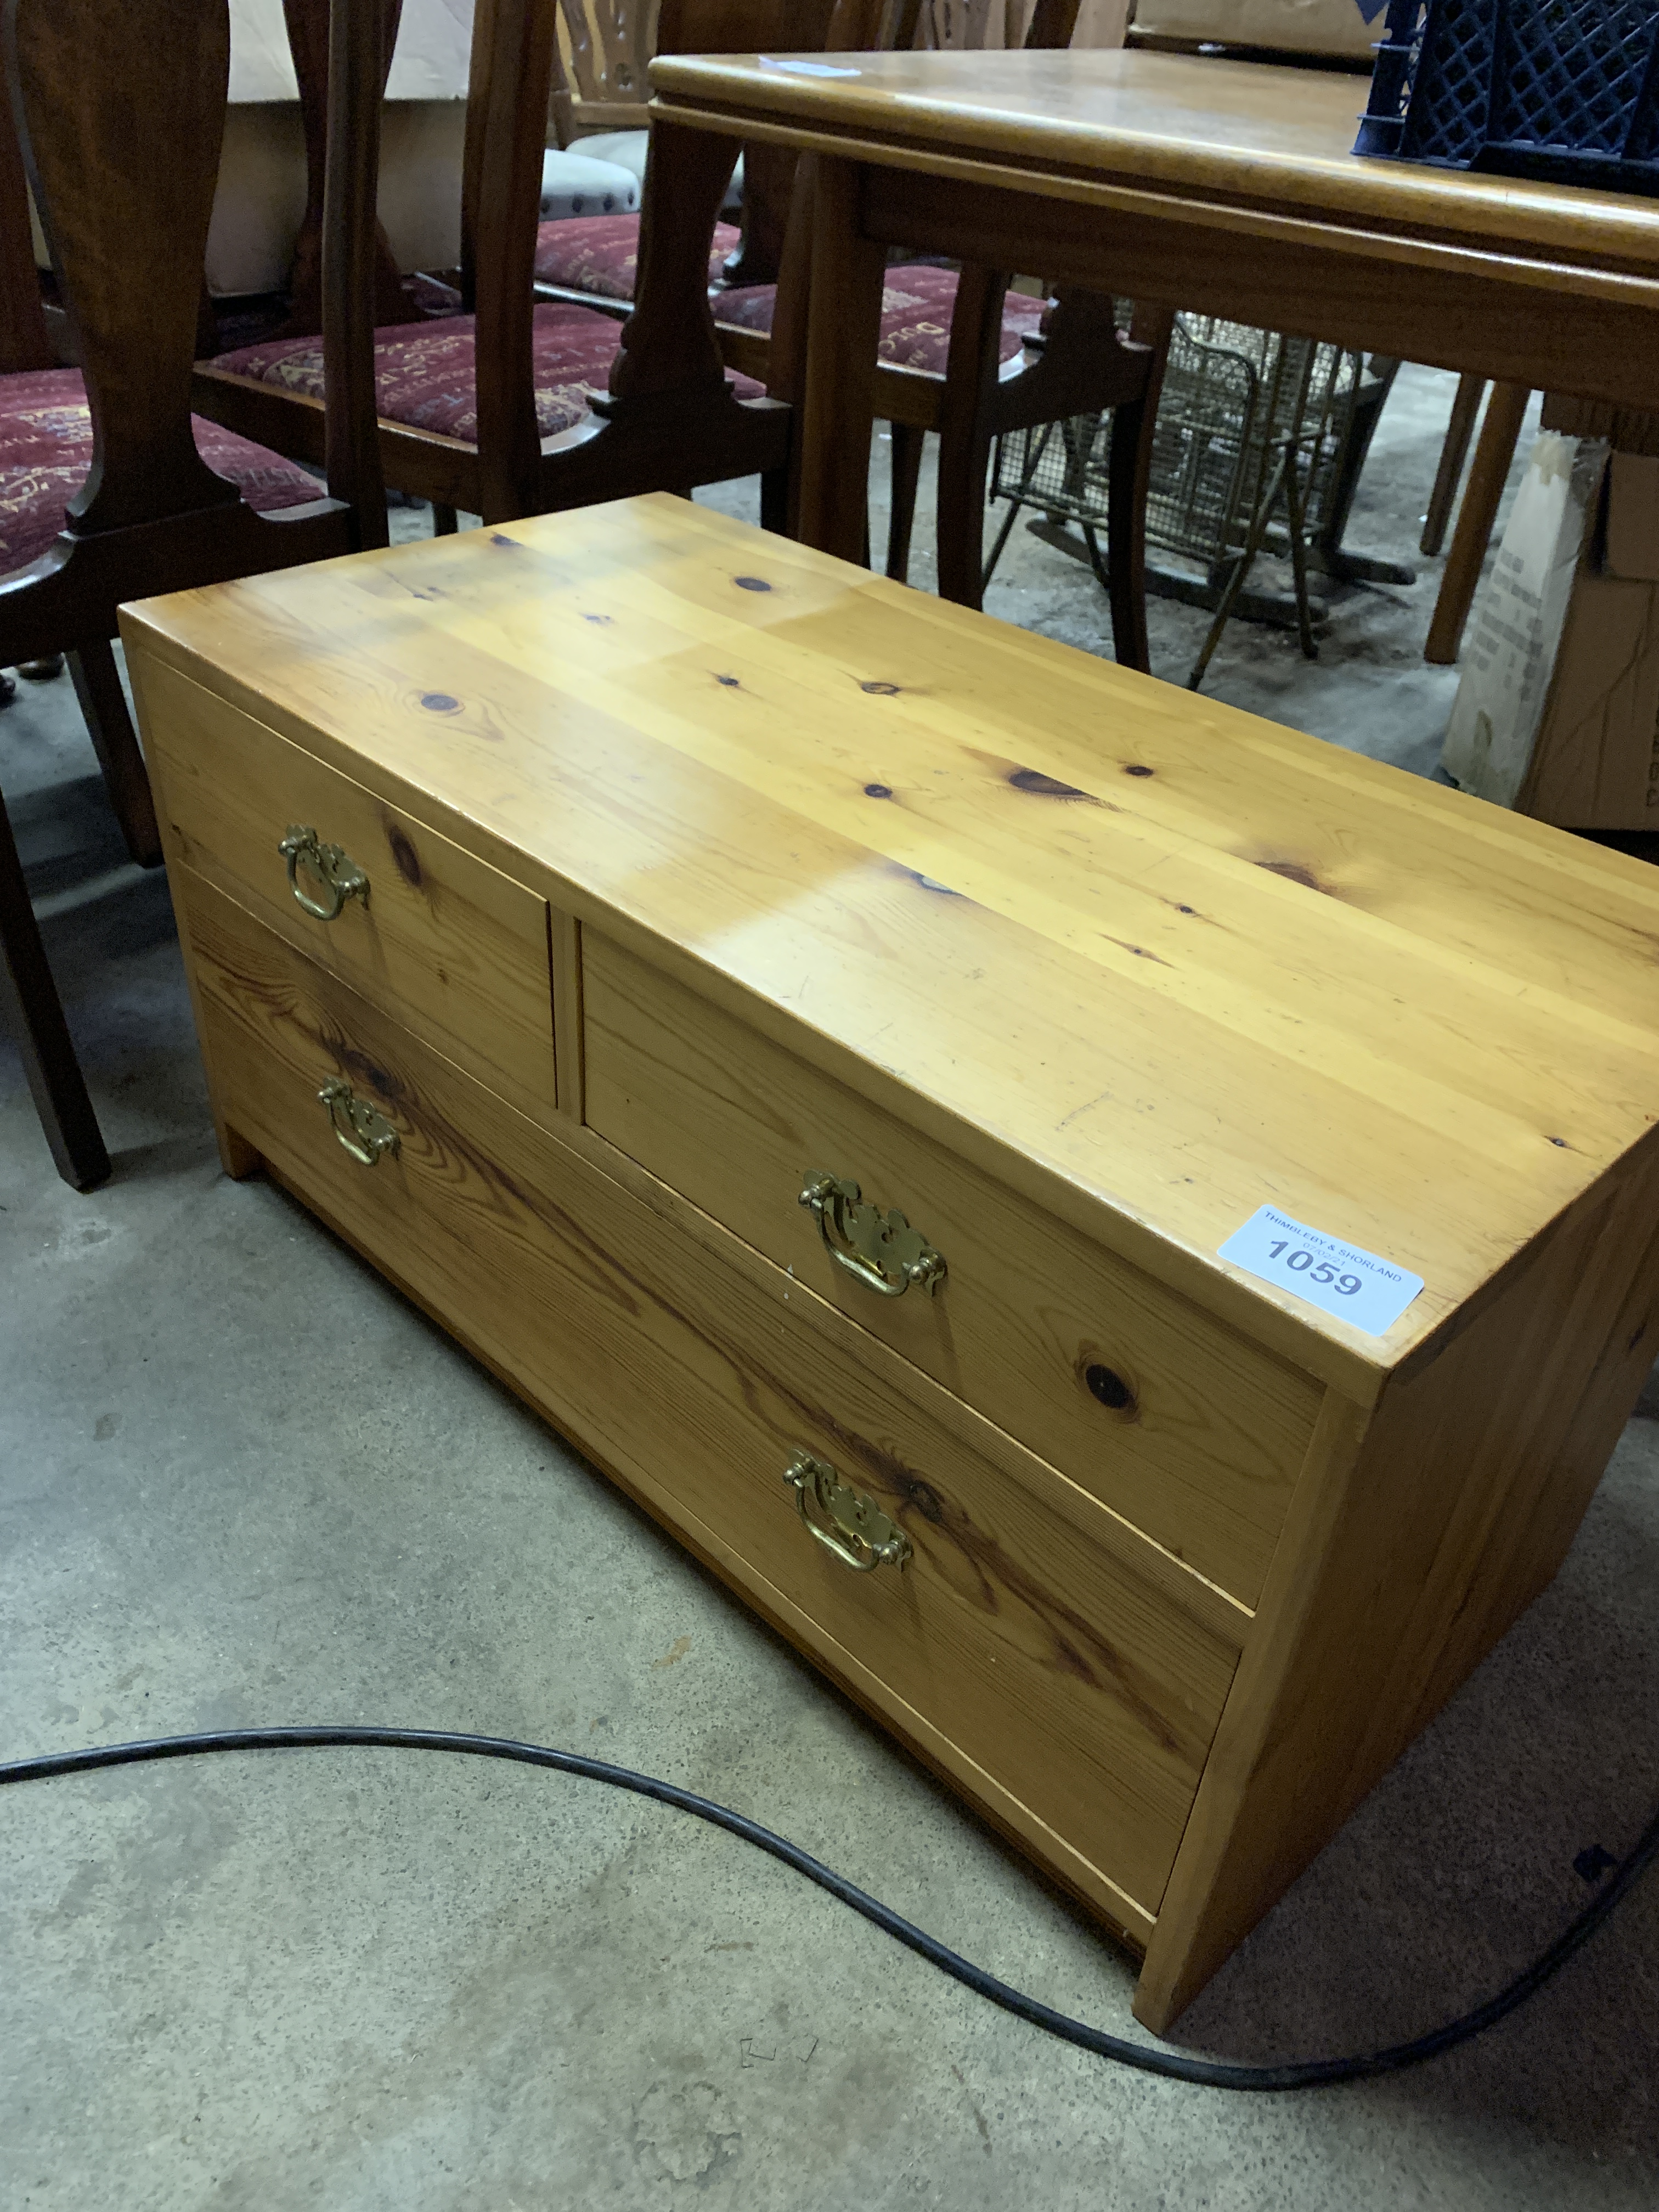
(340, 877)
(881, 1249)
(859, 1534)
(362, 1129)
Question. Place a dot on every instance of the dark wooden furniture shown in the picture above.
(105, 495)
(504, 410)
(958, 352)
(1002, 368)
(307, 37)
(604, 49)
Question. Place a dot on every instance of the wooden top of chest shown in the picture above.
(1152, 960)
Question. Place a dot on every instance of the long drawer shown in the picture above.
(453, 945)
(1191, 1432)
(1019, 1646)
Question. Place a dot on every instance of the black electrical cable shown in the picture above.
(1300, 2074)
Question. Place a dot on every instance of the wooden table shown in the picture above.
(1219, 186)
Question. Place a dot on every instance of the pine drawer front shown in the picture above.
(1017, 1646)
(1165, 1414)
(447, 941)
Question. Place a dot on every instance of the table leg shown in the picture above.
(1471, 391)
(1476, 518)
(843, 330)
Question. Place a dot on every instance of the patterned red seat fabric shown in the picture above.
(915, 316)
(599, 253)
(46, 452)
(423, 371)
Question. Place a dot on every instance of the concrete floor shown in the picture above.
(244, 1483)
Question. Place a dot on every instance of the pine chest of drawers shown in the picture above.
(814, 1042)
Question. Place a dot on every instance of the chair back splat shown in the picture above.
(670, 337)
(513, 50)
(604, 47)
(25, 342)
(116, 114)
(308, 26)
(359, 49)
(120, 117)
(144, 139)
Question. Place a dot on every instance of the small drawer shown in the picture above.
(1020, 1646)
(1159, 1410)
(458, 949)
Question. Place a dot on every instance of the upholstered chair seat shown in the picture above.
(424, 371)
(46, 452)
(915, 316)
(599, 253)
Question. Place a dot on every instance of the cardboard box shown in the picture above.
(1557, 712)
(1350, 27)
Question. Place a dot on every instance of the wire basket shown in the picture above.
(1248, 455)
(1232, 395)
(1563, 89)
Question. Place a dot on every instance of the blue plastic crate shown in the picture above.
(1566, 89)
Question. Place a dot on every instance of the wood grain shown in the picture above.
(1204, 1454)
(449, 941)
(1409, 1550)
(1195, 129)
(116, 117)
(25, 344)
(1477, 517)
(1226, 187)
(1152, 962)
(1075, 969)
(1027, 1647)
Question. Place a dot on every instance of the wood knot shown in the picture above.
(1106, 1385)
(1033, 781)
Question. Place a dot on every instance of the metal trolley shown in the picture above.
(1258, 443)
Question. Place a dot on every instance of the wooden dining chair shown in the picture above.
(511, 407)
(962, 353)
(109, 491)
(604, 47)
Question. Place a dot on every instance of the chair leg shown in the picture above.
(1241, 570)
(54, 1074)
(103, 702)
(1471, 390)
(1128, 482)
(1476, 518)
(966, 433)
(1294, 525)
(774, 501)
(908, 442)
(445, 521)
(1127, 468)
(963, 469)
